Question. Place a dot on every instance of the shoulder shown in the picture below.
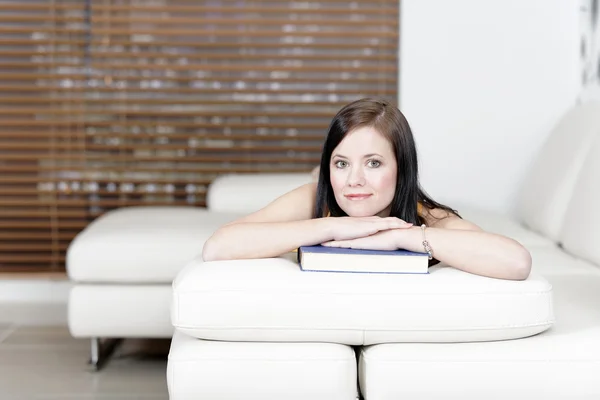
(297, 204)
(302, 195)
(440, 218)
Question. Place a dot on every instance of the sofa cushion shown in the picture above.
(246, 193)
(273, 300)
(141, 244)
(561, 363)
(201, 369)
(548, 187)
(503, 225)
(581, 231)
(548, 261)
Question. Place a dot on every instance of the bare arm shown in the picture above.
(464, 246)
(457, 243)
(467, 247)
(282, 226)
(285, 225)
(263, 239)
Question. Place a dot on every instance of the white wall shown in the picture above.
(589, 27)
(481, 83)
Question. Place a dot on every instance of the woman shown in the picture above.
(368, 197)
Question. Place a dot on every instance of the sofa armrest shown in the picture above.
(246, 193)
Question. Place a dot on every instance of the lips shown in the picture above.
(357, 196)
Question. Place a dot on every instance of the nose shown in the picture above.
(356, 177)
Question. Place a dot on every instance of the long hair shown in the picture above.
(391, 123)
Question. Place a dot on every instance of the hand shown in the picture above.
(346, 228)
(385, 240)
(392, 239)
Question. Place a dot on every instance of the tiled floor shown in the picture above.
(40, 360)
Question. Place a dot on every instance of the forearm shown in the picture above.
(264, 239)
(477, 252)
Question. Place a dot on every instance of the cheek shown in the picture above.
(385, 182)
(337, 180)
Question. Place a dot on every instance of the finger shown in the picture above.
(399, 220)
(396, 223)
(404, 223)
(337, 243)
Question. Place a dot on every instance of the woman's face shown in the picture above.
(363, 173)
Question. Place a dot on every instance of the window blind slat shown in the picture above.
(173, 7)
(116, 66)
(141, 169)
(163, 113)
(31, 246)
(273, 33)
(385, 81)
(42, 134)
(232, 159)
(45, 103)
(223, 56)
(107, 203)
(265, 20)
(29, 258)
(30, 236)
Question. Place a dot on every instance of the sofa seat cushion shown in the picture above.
(273, 300)
(201, 369)
(561, 363)
(502, 225)
(553, 260)
(141, 244)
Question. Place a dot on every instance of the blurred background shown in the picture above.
(112, 103)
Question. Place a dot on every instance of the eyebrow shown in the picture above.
(365, 156)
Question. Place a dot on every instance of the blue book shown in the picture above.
(334, 259)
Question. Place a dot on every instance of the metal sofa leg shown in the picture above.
(101, 351)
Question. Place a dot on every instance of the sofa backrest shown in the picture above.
(246, 193)
(548, 187)
(580, 234)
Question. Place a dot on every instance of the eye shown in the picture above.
(341, 164)
(373, 163)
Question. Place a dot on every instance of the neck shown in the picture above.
(385, 212)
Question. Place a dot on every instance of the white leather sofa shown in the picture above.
(264, 329)
(124, 262)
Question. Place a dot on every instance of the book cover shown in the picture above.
(334, 259)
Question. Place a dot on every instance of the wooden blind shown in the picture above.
(114, 103)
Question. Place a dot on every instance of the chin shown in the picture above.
(359, 211)
(360, 214)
